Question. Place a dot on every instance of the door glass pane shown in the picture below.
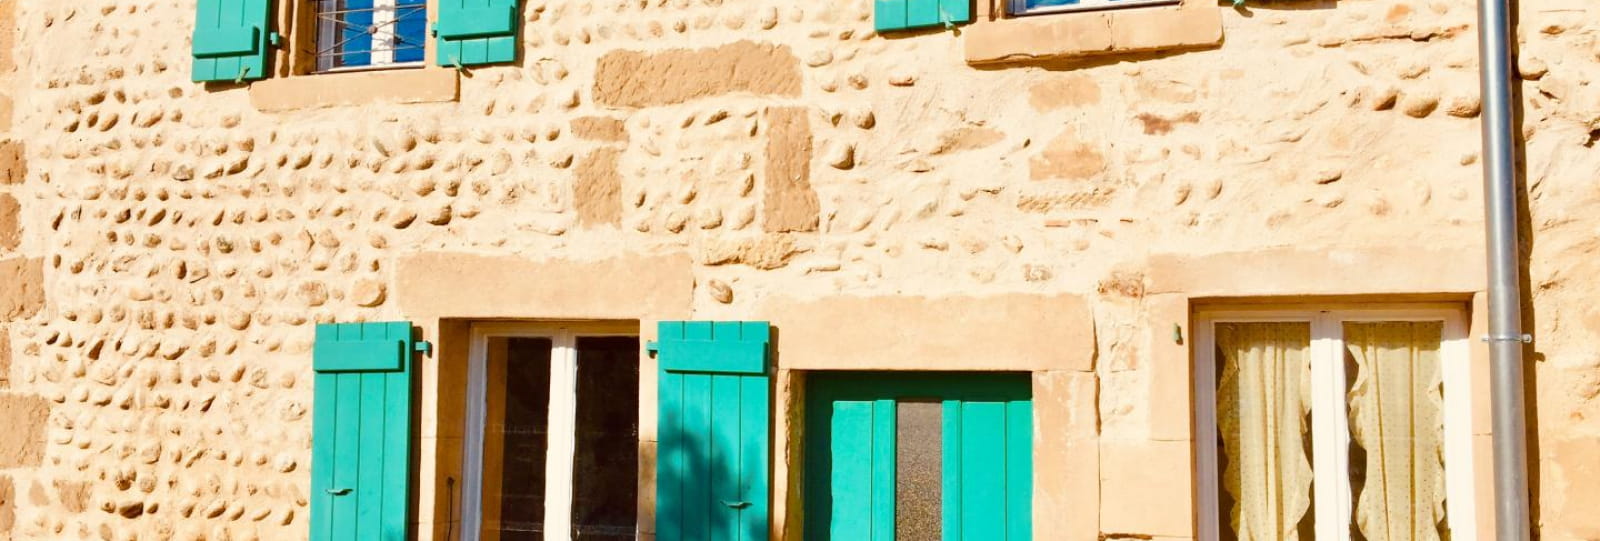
(1396, 429)
(604, 498)
(515, 438)
(1263, 422)
(918, 491)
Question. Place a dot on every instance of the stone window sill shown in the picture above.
(1194, 24)
(426, 85)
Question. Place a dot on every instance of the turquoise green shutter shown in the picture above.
(231, 40)
(711, 466)
(987, 457)
(361, 432)
(890, 15)
(475, 32)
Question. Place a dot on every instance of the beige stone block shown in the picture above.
(649, 385)
(598, 189)
(640, 79)
(1171, 395)
(627, 287)
(788, 202)
(647, 487)
(5, 358)
(13, 162)
(1575, 465)
(426, 85)
(787, 509)
(1066, 455)
(8, 506)
(1066, 490)
(439, 479)
(21, 288)
(1195, 24)
(1479, 375)
(7, 107)
(1066, 35)
(444, 379)
(1003, 332)
(1295, 272)
(1483, 483)
(22, 420)
(1147, 487)
(600, 128)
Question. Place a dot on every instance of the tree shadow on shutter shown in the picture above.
(727, 523)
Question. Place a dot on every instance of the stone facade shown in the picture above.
(1056, 194)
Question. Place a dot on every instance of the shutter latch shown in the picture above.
(338, 491)
(424, 347)
(653, 347)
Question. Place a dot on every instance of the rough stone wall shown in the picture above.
(165, 248)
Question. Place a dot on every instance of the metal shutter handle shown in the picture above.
(338, 491)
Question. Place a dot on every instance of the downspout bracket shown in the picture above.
(1526, 339)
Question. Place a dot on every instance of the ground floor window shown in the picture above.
(1334, 424)
(552, 433)
(914, 456)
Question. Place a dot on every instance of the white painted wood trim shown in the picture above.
(560, 449)
(1331, 467)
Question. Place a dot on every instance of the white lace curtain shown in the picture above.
(1263, 398)
(1393, 404)
(1396, 418)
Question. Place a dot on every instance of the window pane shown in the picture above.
(1263, 424)
(410, 29)
(918, 469)
(515, 438)
(1396, 429)
(606, 469)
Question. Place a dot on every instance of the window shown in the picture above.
(361, 34)
(1035, 7)
(552, 433)
(918, 455)
(1334, 424)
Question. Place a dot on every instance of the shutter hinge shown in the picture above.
(653, 347)
(424, 347)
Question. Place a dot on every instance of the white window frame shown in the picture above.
(1020, 8)
(561, 443)
(383, 19)
(1331, 433)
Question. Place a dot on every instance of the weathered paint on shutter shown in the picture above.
(891, 15)
(711, 467)
(475, 32)
(361, 432)
(987, 456)
(232, 39)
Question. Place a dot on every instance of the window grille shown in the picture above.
(357, 34)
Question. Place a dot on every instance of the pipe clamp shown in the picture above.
(1526, 339)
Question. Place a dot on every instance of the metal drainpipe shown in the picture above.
(1505, 292)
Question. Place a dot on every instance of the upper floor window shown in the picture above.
(361, 34)
(1033, 7)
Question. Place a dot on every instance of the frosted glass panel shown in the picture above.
(919, 435)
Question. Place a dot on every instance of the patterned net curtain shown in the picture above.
(1396, 428)
(1263, 413)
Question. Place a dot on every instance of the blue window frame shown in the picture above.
(359, 34)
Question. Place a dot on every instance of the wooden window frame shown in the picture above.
(1328, 380)
(561, 446)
